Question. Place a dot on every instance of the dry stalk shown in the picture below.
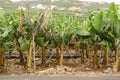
(42, 26)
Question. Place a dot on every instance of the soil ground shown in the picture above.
(70, 67)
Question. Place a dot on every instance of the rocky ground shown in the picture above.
(70, 68)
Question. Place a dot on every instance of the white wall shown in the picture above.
(108, 1)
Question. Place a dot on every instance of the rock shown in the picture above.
(60, 69)
(68, 73)
(69, 69)
(64, 69)
(36, 72)
(12, 74)
(32, 74)
(48, 71)
(82, 66)
(108, 71)
(29, 70)
(87, 69)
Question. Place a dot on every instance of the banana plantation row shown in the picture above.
(28, 32)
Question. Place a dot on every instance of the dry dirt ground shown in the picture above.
(70, 68)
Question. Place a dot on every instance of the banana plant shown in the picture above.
(106, 46)
(14, 27)
(83, 35)
(41, 33)
(61, 33)
(114, 20)
(6, 32)
(6, 40)
(97, 26)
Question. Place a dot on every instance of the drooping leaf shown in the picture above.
(98, 21)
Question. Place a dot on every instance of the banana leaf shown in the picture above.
(39, 41)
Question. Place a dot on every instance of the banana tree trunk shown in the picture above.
(29, 58)
(76, 46)
(91, 56)
(2, 62)
(107, 56)
(95, 60)
(117, 57)
(22, 58)
(43, 55)
(67, 47)
(57, 54)
(87, 51)
(83, 54)
(61, 55)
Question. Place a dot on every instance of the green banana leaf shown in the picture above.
(98, 21)
(39, 41)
